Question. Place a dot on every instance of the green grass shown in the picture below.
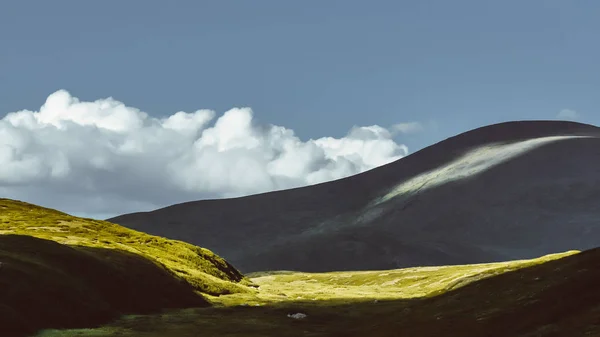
(61, 271)
(555, 295)
(205, 271)
(383, 284)
(46, 284)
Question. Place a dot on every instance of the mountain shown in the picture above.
(506, 191)
(59, 271)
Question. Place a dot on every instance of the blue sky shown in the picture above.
(317, 67)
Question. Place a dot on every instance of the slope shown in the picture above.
(44, 284)
(201, 268)
(502, 192)
(60, 270)
(557, 298)
(550, 296)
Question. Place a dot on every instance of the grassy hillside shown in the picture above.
(61, 271)
(45, 284)
(557, 298)
(554, 295)
(381, 284)
(205, 271)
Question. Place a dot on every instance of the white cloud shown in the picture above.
(568, 114)
(411, 127)
(104, 157)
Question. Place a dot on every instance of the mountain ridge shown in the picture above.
(311, 228)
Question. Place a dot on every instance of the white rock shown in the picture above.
(298, 315)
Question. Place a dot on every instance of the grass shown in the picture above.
(61, 271)
(45, 284)
(384, 284)
(205, 271)
(466, 301)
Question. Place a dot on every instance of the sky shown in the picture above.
(120, 106)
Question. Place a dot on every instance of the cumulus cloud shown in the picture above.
(567, 114)
(410, 127)
(104, 158)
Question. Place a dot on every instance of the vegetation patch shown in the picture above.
(351, 286)
(46, 284)
(550, 296)
(61, 271)
(205, 271)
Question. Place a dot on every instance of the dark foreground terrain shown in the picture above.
(45, 284)
(61, 271)
(502, 192)
(556, 298)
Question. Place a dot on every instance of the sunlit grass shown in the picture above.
(336, 303)
(383, 284)
(338, 299)
(205, 271)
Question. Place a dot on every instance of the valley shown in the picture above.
(483, 234)
(551, 296)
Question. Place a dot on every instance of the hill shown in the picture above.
(57, 270)
(502, 192)
(557, 298)
(554, 295)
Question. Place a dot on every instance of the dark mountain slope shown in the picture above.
(60, 271)
(558, 298)
(506, 191)
(44, 284)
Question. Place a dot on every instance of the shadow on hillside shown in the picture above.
(337, 226)
(557, 298)
(44, 284)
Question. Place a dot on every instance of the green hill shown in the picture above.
(555, 295)
(46, 284)
(59, 271)
(66, 276)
